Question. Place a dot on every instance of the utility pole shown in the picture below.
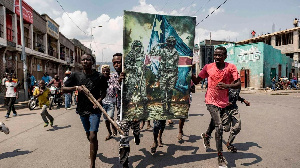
(23, 56)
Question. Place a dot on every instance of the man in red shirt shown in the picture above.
(221, 76)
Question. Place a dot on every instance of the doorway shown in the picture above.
(245, 78)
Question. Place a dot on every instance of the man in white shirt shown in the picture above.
(11, 95)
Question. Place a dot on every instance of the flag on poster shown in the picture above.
(158, 52)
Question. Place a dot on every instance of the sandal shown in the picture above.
(180, 136)
(153, 148)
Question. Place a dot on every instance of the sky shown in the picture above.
(233, 21)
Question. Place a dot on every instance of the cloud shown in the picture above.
(202, 34)
(216, 11)
(50, 6)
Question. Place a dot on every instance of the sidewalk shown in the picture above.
(21, 102)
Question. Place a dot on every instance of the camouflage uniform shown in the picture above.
(124, 147)
(168, 71)
(134, 65)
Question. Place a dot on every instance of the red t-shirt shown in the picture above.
(214, 95)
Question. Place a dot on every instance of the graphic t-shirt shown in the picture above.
(96, 83)
(11, 90)
(112, 90)
(214, 95)
(43, 99)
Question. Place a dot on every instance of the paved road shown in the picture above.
(269, 138)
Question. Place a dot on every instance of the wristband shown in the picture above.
(76, 88)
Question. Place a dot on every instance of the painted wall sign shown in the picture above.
(52, 28)
(251, 54)
(27, 11)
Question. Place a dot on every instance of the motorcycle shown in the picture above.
(33, 102)
(56, 97)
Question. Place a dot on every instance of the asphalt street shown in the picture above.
(269, 138)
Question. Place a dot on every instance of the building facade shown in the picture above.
(47, 50)
(287, 41)
(258, 63)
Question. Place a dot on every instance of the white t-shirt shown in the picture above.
(11, 88)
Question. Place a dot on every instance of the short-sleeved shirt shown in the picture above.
(96, 83)
(43, 99)
(46, 79)
(112, 90)
(11, 90)
(214, 95)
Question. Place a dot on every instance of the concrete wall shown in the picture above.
(273, 58)
(39, 22)
(9, 4)
(259, 58)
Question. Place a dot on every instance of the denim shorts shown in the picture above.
(110, 110)
(91, 122)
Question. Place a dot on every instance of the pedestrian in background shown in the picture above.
(11, 95)
(109, 102)
(46, 78)
(273, 83)
(42, 93)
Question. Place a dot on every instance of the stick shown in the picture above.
(95, 102)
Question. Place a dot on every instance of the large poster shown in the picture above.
(158, 53)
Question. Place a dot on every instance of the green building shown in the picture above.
(258, 63)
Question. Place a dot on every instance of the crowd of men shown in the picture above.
(223, 87)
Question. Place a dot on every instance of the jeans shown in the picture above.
(91, 122)
(68, 98)
(216, 123)
(46, 115)
(273, 86)
(110, 110)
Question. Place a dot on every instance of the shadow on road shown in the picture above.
(14, 153)
(196, 115)
(232, 157)
(162, 159)
(26, 114)
(55, 127)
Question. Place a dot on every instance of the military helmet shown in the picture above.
(136, 43)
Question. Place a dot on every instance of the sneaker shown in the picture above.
(69, 108)
(46, 124)
(137, 139)
(6, 116)
(231, 148)
(15, 114)
(206, 140)
(222, 161)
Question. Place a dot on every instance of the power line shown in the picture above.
(71, 18)
(187, 6)
(211, 12)
(201, 7)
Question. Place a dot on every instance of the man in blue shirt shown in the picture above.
(46, 78)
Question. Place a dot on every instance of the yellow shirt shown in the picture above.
(43, 99)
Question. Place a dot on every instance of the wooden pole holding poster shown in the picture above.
(95, 102)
